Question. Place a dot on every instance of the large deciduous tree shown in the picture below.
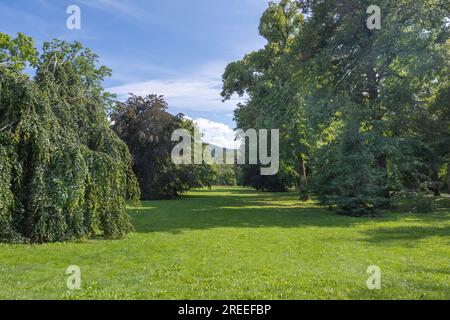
(64, 174)
(323, 69)
(146, 126)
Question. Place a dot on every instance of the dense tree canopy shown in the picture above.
(362, 113)
(64, 174)
(145, 125)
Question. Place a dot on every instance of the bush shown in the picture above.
(416, 202)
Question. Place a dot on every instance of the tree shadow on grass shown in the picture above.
(256, 211)
(213, 217)
(229, 190)
(408, 234)
(245, 208)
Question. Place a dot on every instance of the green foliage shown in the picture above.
(415, 202)
(321, 67)
(349, 178)
(146, 127)
(423, 204)
(265, 76)
(223, 175)
(17, 52)
(64, 174)
(250, 175)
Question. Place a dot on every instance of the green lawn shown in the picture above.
(234, 243)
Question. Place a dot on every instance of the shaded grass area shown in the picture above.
(235, 243)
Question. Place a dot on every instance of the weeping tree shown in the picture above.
(64, 174)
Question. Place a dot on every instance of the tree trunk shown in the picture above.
(382, 163)
(373, 96)
(448, 177)
(303, 181)
(303, 164)
(434, 185)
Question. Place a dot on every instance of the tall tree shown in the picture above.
(265, 76)
(146, 127)
(314, 77)
(387, 74)
(64, 174)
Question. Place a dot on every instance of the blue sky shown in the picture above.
(177, 48)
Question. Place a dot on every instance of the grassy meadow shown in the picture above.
(236, 243)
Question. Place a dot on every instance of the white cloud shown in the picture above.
(200, 91)
(217, 133)
(197, 92)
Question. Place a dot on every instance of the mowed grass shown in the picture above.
(235, 243)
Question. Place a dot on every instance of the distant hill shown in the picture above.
(226, 152)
